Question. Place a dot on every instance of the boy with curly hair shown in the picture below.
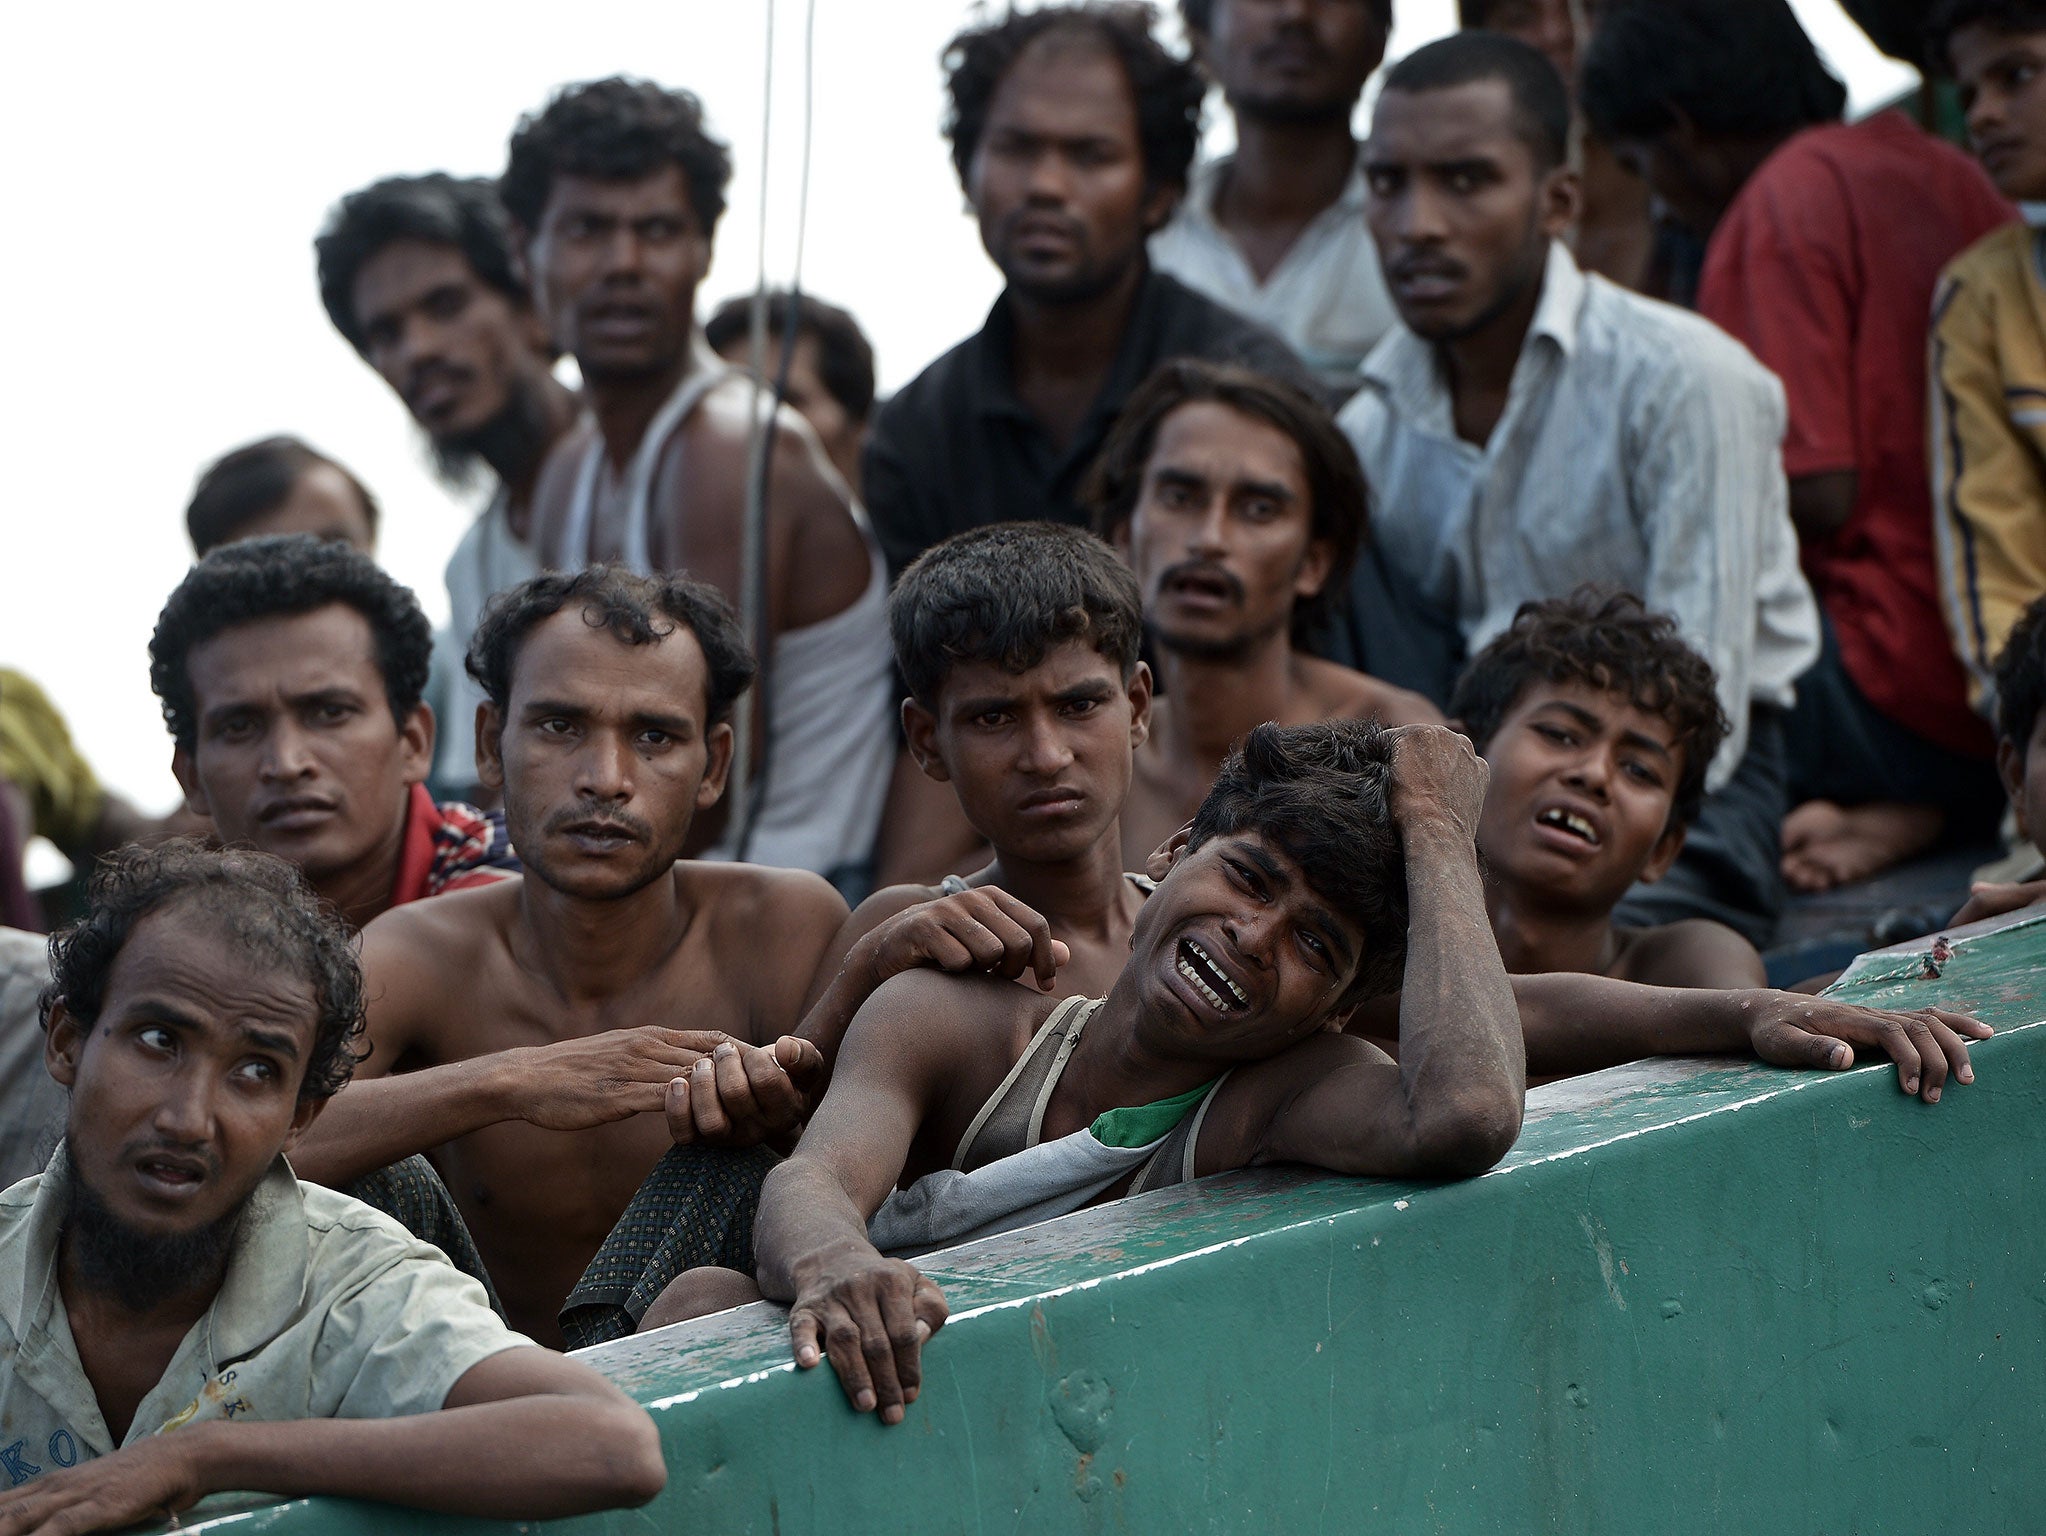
(1598, 723)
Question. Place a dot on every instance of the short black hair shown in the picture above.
(1168, 90)
(2021, 677)
(282, 575)
(1007, 595)
(248, 483)
(2006, 18)
(1541, 101)
(845, 358)
(1199, 15)
(1322, 793)
(617, 129)
(1734, 67)
(268, 911)
(1335, 480)
(438, 209)
(637, 610)
(1609, 641)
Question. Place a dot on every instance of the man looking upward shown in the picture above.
(1240, 507)
(419, 275)
(1275, 229)
(614, 191)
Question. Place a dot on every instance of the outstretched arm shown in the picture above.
(1453, 1105)
(525, 1435)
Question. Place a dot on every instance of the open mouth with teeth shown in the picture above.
(1569, 821)
(1209, 979)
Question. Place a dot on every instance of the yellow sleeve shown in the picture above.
(1988, 431)
(38, 757)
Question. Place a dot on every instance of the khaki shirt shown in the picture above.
(329, 1310)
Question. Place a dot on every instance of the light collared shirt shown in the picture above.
(1326, 297)
(1641, 448)
(328, 1310)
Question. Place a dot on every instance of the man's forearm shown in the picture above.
(804, 1213)
(374, 1122)
(1578, 1023)
(525, 1458)
(1460, 1049)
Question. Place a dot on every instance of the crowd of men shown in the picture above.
(1361, 623)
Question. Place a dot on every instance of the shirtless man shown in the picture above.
(614, 192)
(1331, 864)
(530, 1036)
(1019, 645)
(1241, 508)
(1598, 723)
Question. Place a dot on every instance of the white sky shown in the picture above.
(170, 164)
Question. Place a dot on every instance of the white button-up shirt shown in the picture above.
(1641, 447)
(1327, 295)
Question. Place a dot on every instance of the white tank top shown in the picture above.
(831, 684)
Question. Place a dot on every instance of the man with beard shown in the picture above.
(1072, 130)
(1240, 507)
(1275, 229)
(548, 1039)
(179, 1316)
(417, 272)
(614, 192)
(1528, 428)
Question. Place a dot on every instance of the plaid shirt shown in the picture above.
(450, 847)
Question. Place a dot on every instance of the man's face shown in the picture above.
(1691, 182)
(1460, 212)
(2002, 76)
(1041, 760)
(454, 348)
(1544, 25)
(603, 755)
(1578, 805)
(297, 752)
(842, 437)
(322, 502)
(1222, 536)
(1236, 956)
(185, 1091)
(615, 267)
(1293, 60)
(1057, 181)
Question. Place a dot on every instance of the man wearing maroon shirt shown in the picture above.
(1825, 242)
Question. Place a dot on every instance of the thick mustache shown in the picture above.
(1206, 568)
(1429, 266)
(175, 1152)
(428, 374)
(598, 816)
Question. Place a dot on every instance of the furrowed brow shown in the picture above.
(283, 1044)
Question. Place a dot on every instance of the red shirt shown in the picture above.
(448, 847)
(1824, 265)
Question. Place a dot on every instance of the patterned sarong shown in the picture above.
(411, 1193)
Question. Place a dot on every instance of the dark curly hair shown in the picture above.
(269, 913)
(845, 358)
(1322, 794)
(1612, 642)
(251, 482)
(285, 574)
(438, 209)
(1335, 480)
(1199, 15)
(617, 129)
(2021, 677)
(1168, 90)
(638, 610)
(1006, 595)
(2005, 18)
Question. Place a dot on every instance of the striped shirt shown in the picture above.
(1988, 387)
(1640, 447)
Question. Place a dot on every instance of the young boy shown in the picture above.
(2020, 758)
(1988, 359)
(180, 1316)
(1598, 723)
(1019, 646)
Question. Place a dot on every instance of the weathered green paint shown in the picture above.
(1698, 1296)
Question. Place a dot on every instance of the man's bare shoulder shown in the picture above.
(454, 923)
(1335, 692)
(1693, 952)
(760, 898)
(940, 1008)
(889, 901)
